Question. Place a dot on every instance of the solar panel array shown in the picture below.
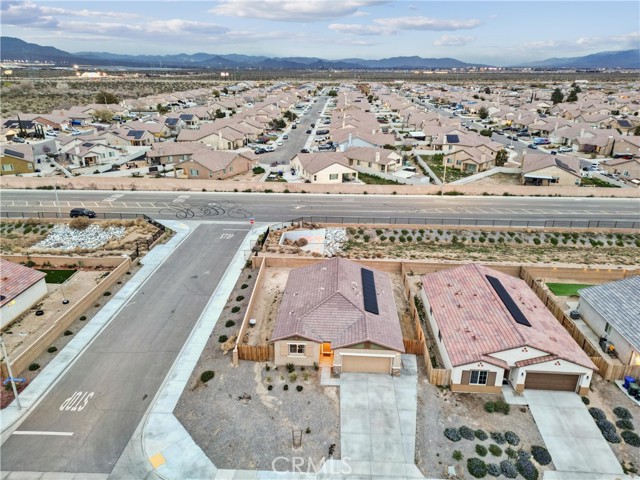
(508, 302)
(369, 291)
(13, 153)
(453, 139)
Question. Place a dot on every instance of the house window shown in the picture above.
(358, 162)
(478, 377)
(625, 173)
(607, 328)
(333, 176)
(315, 178)
(458, 162)
(7, 168)
(369, 164)
(440, 335)
(296, 349)
(193, 172)
(230, 169)
(30, 166)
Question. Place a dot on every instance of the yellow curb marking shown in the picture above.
(157, 460)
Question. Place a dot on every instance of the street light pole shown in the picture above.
(55, 189)
(13, 383)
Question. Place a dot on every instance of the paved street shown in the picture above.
(86, 420)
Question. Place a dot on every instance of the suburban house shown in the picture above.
(626, 168)
(543, 169)
(215, 164)
(612, 311)
(339, 314)
(163, 153)
(490, 329)
(375, 159)
(91, 153)
(16, 159)
(20, 289)
(330, 167)
(470, 161)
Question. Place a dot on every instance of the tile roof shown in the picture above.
(475, 323)
(619, 304)
(16, 279)
(324, 302)
(315, 162)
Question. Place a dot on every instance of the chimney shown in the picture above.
(377, 157)
(344, 120)
(76, 150)
(582, 132)
(350, 137)
(373, 131)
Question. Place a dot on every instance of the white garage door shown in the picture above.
(364, 364)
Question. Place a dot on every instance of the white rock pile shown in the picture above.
(62, 237)
(334, 239)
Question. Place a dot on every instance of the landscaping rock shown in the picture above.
(334, 240)
(62, 237)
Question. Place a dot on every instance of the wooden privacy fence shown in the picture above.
(256, 353)
(606, 368)
(413, 347)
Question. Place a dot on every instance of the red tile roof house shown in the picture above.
(490, 327)
(339, 314)
(20, 288)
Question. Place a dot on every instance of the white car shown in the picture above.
(565, 149)
(270, 148)
(50, 133)
(280, 143)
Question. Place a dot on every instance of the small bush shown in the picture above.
(269, 387)
(493, 469)
(67, 333)
(107, 294)
(585, 400)
(503, 407)
(235, 309)
(481, 435)
(623, 413)
(33, 367)
(608, 431)
(498, 438)
(83, 318)
(457, 455)
(477, 468)
(597, 414)
(222, 338)
(286, 387)
(508, 469)
(290, 367)
(79, 223)
(207, 375)
(511, 438)
(467, 433)
(229, 323)
(631, 438)
(495, 450)
(490, 407)
(452, 434)
(625, 424)
(541, 455)
(239, 298)
(527, 469)
(293, 377)
(481, 450)
(52, 349)
(243, 286)
(511, 453)
(537, 241)
(299, 388)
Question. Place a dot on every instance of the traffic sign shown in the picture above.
(17, 380)
(252, 220)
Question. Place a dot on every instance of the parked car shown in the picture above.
(18, 139)
(285, 137)
(280, 143)
(313, 125)
(82, 212)
(304, 150)
(259, 151)
(270, 148)
(294, 126)
(51, 133)
(553, 152)
(309, 132)
(565, 149)
(532, 145)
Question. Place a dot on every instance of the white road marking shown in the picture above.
(76, 402)
(37, 432)
(181, 198)
(227, 236)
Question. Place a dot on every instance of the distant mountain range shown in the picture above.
(15, 49)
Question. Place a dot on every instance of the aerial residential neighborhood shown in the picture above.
(319, 240)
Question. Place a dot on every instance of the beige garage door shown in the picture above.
(351, 363)
(550, 381)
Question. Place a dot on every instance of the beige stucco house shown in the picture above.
(20, 289)
(339, 314)
(544, 169)
(323, 167)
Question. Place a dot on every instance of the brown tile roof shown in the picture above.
(474, 321)
(16, 279)
(315, 162)
(324, 302)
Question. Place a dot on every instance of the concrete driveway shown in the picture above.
(570, 434)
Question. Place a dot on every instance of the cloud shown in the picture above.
(452, 41)
(357, 29)
(426, 23)
(627, 40)
(26, 14)
(292, 10)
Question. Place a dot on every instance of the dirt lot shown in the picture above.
(439, 409)
(500, 179)
(239, 423)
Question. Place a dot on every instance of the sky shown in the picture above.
(496, 33)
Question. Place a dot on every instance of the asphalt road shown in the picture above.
(121, 371)
(366, 208)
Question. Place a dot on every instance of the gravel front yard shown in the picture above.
(439, 409)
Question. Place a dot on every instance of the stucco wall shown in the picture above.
(23, 302)
(282, 357)
(554, 366)
(565, 179)
(338, 354)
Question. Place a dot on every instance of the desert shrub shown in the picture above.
(508, 469)
(498, 438)
(495, 450)
(481, 435)
(207, 375)
(67, 333)
(33, 367)
(235, 309)
(83, 318)
(299, 388)
(625, 424)
(239, 298)
(631, 438)
(481, 450)
(107, 294)
(511, 453)
(467, 433)
(511, 438)
(229, 323)
(269, 387)
(623, 413)
(490, 407)
(503, 407)
(52, 349)
(383, 238)
(293, 377)
(537, 241)
(452, 434)
(493, 469)
(585, 400)
(457, 455)
(290, 367)
(243, 286)
(608, 431)
(286, 387)
(541, 455)
(523, 454)
(477, 468)
(527, 469)
(597, 414)
(222, 338)
(79, 223)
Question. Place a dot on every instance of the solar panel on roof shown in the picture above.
(624, 123)
(13, 153)
(369, 291)
(87, 144)
(508, 302)
(453, 139)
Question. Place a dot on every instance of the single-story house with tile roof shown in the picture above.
(612, 310)
(215, 164)
(491, 328)
(340, 314)
(330, 167)
(20, 289)
(376, 159)
(545, 169)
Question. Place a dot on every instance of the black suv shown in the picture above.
(82, 212)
